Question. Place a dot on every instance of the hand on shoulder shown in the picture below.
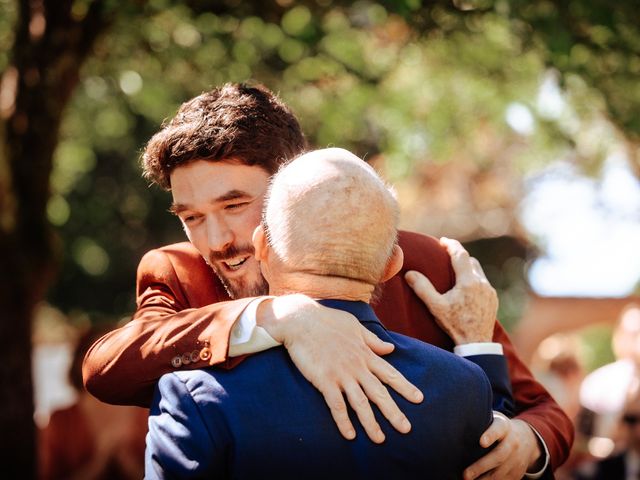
(467, 312)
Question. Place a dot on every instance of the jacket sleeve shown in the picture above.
(495, 368)
(124, 365)
(478, 415)
(535, 405)
(181, 443)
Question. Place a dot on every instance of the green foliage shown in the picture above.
(596, 40)
(411, 81)
(8, 12)
(596, 347)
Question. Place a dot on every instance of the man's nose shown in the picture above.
(219, 235)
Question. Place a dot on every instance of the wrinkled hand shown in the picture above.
(517, 451)
(339, 356)
(467, 312)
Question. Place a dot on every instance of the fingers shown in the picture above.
(490, 461)
(392, 377)
(378, 394)
(349, 364)
(369, 388)
(360, 404)
(338, 408)
(359, 396)
(453, 247)
(477, 268)
(370, 383)
(423, 287)
(498, 429)
(460, 259)
(466, 267)
(494, 463)
(377, 346)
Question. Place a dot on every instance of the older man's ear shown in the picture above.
(259, 243)
(394, 264)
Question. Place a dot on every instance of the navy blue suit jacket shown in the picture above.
(264, 419)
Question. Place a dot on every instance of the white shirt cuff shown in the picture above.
(539, 473)
(480, 348)
(246, 336)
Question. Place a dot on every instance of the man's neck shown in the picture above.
(322, 287)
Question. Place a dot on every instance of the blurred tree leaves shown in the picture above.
(595, 41)
(406, 83)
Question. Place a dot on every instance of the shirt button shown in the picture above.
(205, 354)
(176, 361)
(195, 356)
(186, 358)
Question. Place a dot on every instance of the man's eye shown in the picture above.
(233, 206)
(189, 219)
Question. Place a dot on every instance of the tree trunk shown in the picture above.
(49, 48)
(16, 392)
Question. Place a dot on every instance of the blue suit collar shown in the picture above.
(361, 310)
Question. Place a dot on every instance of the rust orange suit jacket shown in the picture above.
(183, 310)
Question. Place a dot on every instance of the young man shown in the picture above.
(329, 232)
(216, 156)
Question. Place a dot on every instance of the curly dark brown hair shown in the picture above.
(246, 123)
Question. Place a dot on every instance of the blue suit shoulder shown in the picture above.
(439, 367)
(430, 354)
(492, 368)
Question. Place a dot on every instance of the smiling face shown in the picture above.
(220, 204)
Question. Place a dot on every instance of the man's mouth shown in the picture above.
(236, 272)
(235, 263)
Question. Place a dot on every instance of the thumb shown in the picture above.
(423, 287)
(377, 346)
(496, 431)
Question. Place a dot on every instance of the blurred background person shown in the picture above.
(558, 365)
(88, 439)
(624, 462)
(603, 392)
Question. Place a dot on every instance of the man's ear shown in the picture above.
(394, 264)
(259, 243)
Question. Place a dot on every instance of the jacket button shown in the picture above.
(186, 358)
(205, 354)
(195, 356)
(176, 361)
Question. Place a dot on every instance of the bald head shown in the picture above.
(328, 213)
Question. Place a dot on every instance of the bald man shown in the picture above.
(263, 418)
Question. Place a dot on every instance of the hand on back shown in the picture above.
(341, 359)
